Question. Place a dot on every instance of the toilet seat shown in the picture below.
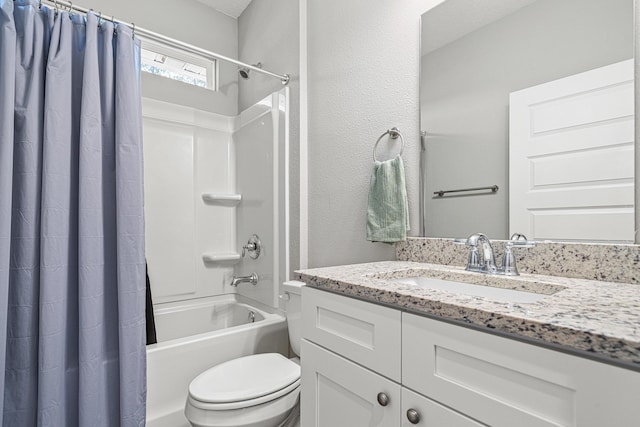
(208, 406)
(244, 382)
(271, 413)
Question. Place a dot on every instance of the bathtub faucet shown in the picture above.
(252, 278)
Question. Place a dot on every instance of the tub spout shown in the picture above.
(252, 278)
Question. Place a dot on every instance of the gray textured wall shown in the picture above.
(363, 59)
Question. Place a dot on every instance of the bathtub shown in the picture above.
(196, 335)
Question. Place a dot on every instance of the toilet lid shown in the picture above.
(244, 378)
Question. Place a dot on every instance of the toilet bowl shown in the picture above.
(260, 390)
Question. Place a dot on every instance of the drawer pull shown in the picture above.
(383, 399)
(413, 416)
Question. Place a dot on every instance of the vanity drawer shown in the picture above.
(502, 382)
(365, 333)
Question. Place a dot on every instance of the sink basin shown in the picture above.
(497, 294)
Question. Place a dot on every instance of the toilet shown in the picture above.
(260, 390)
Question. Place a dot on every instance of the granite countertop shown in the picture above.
(593, 318)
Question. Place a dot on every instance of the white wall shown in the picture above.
(363, 61)
(268, 32)
(191, 22)
(187, 152)
(260, 144)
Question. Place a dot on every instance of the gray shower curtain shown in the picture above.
(72, 278)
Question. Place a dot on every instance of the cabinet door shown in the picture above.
(339, 393)
(506, 383)
(430, 413)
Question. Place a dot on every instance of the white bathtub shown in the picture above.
(195, 335)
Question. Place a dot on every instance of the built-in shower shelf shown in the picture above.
(222, 199)
(221, 257)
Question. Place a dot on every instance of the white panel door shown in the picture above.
(571, 157)
(338, 393)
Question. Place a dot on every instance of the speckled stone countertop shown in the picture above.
(597, 319)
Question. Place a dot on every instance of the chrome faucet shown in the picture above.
(487, 263)
(252, 278)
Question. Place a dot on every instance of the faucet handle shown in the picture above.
(520, 244)
(486, 264)
(253, 247)
(509, 267)
(520, 240)
(474, 262)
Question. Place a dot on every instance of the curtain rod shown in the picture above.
(67, 5)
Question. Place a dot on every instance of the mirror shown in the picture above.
(505, 78)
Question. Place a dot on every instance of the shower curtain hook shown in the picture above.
(39, 4)
(133, 30)
(56, 3)
(100, 19)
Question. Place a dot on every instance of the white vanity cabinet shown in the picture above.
(341, 393)
(337, 392)
(369, 365)
(351, 370)
(337, 332)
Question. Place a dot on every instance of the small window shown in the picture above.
(172, 63)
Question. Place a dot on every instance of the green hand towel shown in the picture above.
(388, 210)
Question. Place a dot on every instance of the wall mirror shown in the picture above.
(536, 98)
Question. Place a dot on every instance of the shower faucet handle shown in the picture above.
(253, 247)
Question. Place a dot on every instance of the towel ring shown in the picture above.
(394, 133)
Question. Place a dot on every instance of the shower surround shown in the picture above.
(211, 182)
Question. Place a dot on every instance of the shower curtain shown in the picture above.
(72, 271)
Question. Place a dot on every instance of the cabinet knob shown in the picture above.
(383, 399)
(413, 416)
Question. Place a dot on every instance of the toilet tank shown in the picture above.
(293, 306)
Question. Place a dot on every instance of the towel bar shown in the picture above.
(493, 188)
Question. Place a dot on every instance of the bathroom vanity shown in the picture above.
(381, 350)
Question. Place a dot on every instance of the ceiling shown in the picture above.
(233, 8)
